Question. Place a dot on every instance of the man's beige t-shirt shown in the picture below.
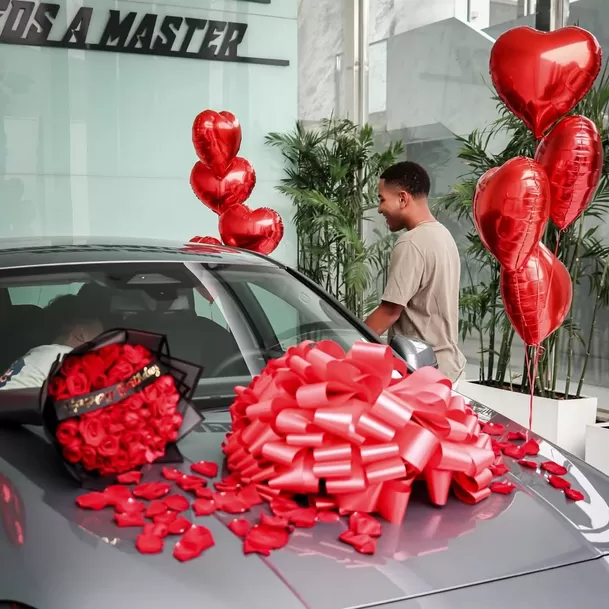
(424, 275)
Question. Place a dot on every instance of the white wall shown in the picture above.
(98, 143)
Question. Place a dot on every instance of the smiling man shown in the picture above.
(421, 298)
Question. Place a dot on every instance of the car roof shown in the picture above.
(54, 251)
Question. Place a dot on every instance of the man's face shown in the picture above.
(392, 205)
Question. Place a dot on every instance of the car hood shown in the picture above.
(56, 556)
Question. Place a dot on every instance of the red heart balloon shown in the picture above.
(217, 138)
(258, 230)
(511, 210)
(206, 240)
(220, 193)
(542, 75)
(537, 297)
(572, 155)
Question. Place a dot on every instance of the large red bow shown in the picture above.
(342, 430)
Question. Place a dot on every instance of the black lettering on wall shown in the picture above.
(193, 26)
(77, 31)
(117, 30)
(170, 27)
(235, 33)
(142, 37)
(17, 20)
(39, 31)
(213, 32)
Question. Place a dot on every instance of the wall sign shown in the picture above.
(35, 24)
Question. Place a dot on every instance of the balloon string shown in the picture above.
(532, 374)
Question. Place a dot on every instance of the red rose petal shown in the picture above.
(204, 493)
(364, 524)
(503, 487)
(204, 507)
(158, 530)
(156, 508)
(514, 436)
(493, 429)
(179, 526)
(280, 506)
(574, 495)
(116, 493)
(364, 544)
(195, 541)
(516, 452)
(554, 468)
(230, 502)
(529, 464)
(304, 518)
(251, 495)
(151, 490)
(166, 518)
(274, 521)
(205, 468)
(558, 482)
(499, 470)
(328, 517)
(92, 501)
(263, 538)
(129, 505)
(239, 527)
(171, 474)
(133, 477)
(130, 519)
(190, 483)
(177, 503)
(149, 544)
(531, 448)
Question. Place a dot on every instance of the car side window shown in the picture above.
(41, 295)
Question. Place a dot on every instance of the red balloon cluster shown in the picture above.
(540, 77)
(224, 181)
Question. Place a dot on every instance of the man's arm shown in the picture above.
(383, 317)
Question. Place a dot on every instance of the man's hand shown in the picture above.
(383, 317)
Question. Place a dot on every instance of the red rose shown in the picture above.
(109, 446)
(131, 419)
(145, 413)
(116, 429)
(69, 365)
(109, 353)
(121, 371)
(91, 430)
(165, 406)
(134, 402)
(137, 452)
(99, 381)
(129, 437)
(72, 452)
(66, 431)
(92, 365)
(121, 463)
(166, 384)
(88, 457)
(152, 393)
(77, 384)
(136, 355)
(57, 388)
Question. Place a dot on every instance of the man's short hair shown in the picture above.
(410, 177)
(65, 313)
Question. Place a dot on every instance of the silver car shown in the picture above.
(230, 311)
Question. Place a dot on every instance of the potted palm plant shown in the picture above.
(561, 410)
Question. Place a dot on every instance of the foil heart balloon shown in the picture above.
(511, 210)
(206, 240)
(541, 76)
(537, 297)
(217, 138)
(233, 188)
(572, 155)
(258, 230)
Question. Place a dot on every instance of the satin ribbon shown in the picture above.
(339, 428)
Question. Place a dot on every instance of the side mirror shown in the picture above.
(416, 353)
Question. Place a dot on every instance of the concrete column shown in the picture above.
(551, 14)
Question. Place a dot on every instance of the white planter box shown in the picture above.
(562, 422)
(597, 446)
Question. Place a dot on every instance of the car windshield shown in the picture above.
(228, 318)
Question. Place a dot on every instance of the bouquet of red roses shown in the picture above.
(118, 403)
